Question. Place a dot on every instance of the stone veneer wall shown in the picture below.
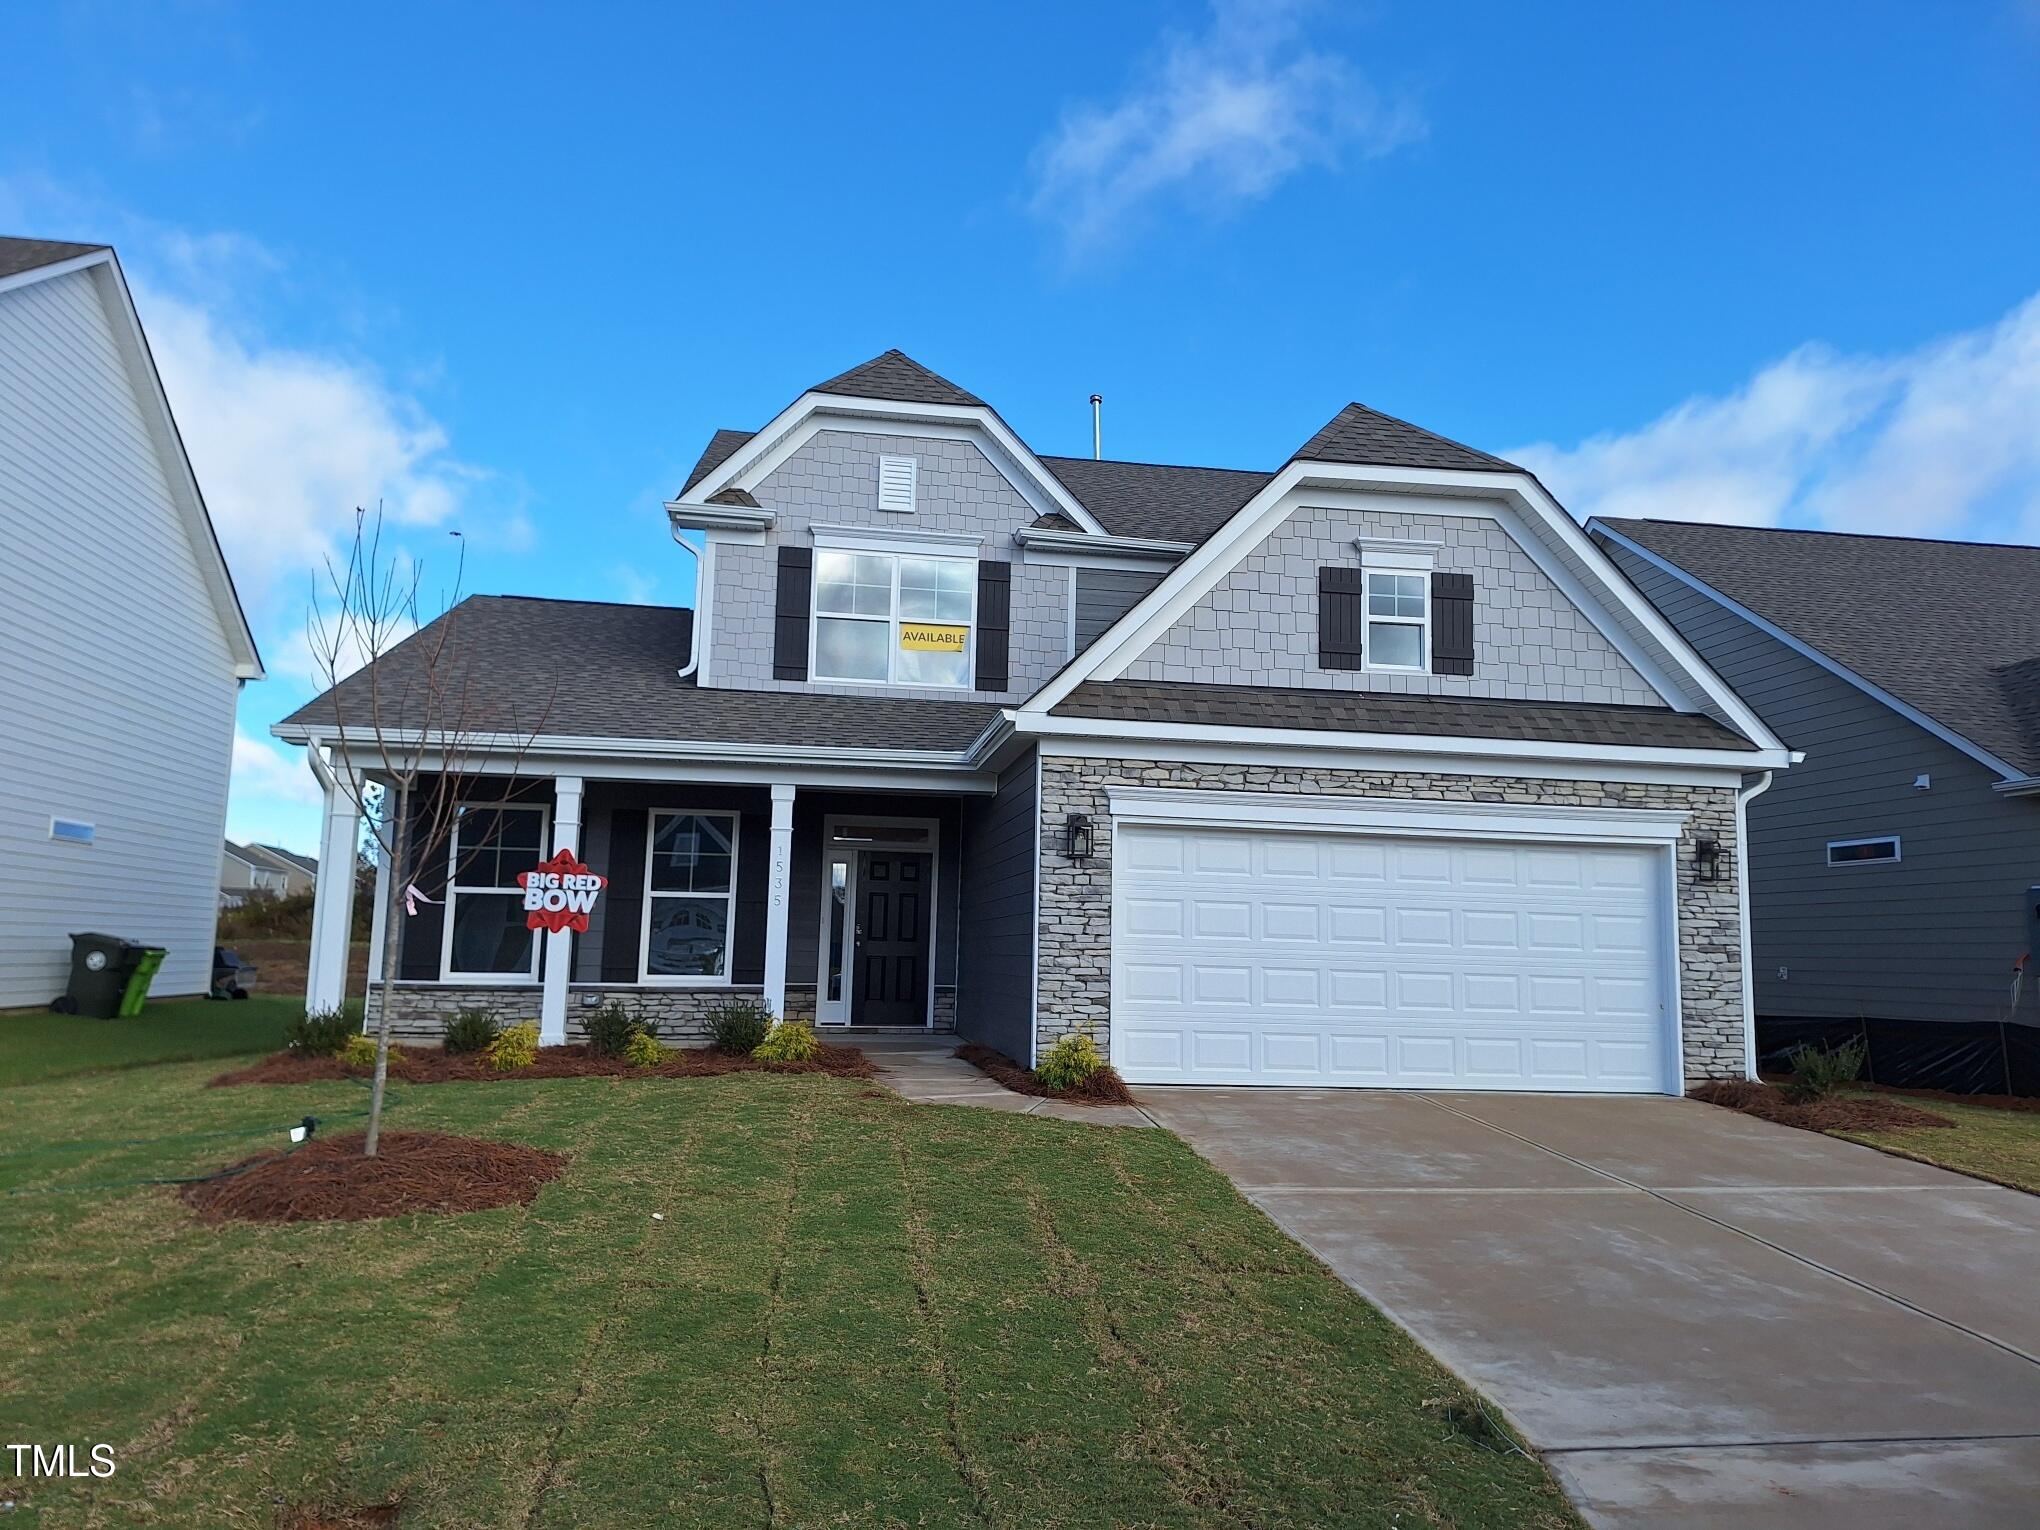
(677, 1014)
(1075, 983)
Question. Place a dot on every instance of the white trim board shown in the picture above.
(812, 413)
(1805, 650)
(1259, 811)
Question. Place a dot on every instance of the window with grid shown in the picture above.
(485, 932)
(1398, 621)
(690, 897)
(898, 619)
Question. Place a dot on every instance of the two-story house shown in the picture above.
(1366, 771)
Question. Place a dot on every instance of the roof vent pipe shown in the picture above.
(1097, 426)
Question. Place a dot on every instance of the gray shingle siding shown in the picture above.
(995, 981)
(833, 481)
(1258, 625)
(1104, 595)
(1932, 937)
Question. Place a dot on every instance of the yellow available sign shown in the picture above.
(932, 637)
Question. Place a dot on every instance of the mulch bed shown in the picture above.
(328, 1179)
(433, 1065)
(1105, 1087)
(1838, 1113)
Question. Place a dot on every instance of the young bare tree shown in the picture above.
(411, 732)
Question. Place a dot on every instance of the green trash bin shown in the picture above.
(148, 960)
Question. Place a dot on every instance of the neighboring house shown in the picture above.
(1891, 870)
(1366, 771)
(263, 871)
(122, 645)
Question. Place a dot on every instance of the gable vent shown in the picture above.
(896, 483)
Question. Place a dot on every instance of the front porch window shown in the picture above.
(690, 894)
(485, 932)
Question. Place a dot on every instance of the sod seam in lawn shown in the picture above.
(855, 1311)
(1987, 1143)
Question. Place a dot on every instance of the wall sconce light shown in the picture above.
(1707, 859)
(1077, 837)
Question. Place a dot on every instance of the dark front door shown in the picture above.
(892, 940)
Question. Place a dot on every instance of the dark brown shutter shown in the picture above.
(790, 626)
(623, 918)
(1341, 617)
(1452, 624)
(994, 624)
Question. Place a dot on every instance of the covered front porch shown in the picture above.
(841, 904)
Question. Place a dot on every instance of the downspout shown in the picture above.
(694, 626)
(1743, 798)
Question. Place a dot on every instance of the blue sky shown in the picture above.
(503, 268)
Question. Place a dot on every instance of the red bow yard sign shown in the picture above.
(559, 894)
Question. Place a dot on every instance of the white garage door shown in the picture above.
(1306, 957)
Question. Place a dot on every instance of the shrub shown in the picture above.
(643, 1051)
(320, 1032)
(471, 1030)
(610, 1030)
(515, 1048)
(737, 1026)
(1819, 1072)
(1068, 1063)
(359, 1051)
(793, 1041)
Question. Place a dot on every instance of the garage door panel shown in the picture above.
(1385, 961)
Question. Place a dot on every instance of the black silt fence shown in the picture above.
(1960, 1056)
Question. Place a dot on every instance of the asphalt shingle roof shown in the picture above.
(1147, 499)
(19, 255)
(585, 669)
(1950, 628)
(715, 454)
(898, 377)
(1252, 706)
(1369, 438)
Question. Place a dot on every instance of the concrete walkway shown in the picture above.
(1700, 1319)
(925, 1068)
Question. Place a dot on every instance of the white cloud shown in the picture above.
(288, 442)
(1943, 440)
(262, 770)
(1214, 120)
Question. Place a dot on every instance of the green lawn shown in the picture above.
(857, 1312)
(2000, 1145)
(34, 1047)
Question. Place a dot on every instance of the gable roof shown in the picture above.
(715, 454)
(37, 260)
(19, 255)
(1948, 629)
(897, 376)
(586, 669)
(305, 863)
(1368, 438)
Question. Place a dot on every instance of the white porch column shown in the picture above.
(559, 944)
(777, 898)
(333, 899)
(378, 916)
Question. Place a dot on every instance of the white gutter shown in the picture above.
(1743, 798)
(694, 623)
(1048, 539)
(720, 751)
(700, 517)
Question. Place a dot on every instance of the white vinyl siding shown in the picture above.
(118, 685)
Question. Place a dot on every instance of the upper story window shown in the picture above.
(1398, 621)
(894, 618)
(485, 930)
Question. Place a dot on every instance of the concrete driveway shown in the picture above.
(1699, 1318)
